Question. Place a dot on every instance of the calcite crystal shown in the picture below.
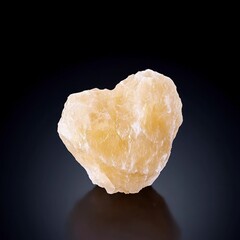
(123, 137)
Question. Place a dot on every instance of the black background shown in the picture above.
(46, 194)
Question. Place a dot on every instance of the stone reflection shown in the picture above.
(144, 215)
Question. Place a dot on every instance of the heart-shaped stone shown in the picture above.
(123, 137)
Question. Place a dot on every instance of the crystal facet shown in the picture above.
(123, 137)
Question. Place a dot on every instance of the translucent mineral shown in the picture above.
(123, 137)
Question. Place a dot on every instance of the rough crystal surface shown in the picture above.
(123, 137)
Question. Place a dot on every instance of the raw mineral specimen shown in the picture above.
(123, 137)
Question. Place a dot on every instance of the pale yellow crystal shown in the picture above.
(123, 137)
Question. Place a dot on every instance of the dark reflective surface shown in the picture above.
(47, 195)
(99, 215)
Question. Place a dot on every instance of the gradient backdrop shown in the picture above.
(46, 194)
